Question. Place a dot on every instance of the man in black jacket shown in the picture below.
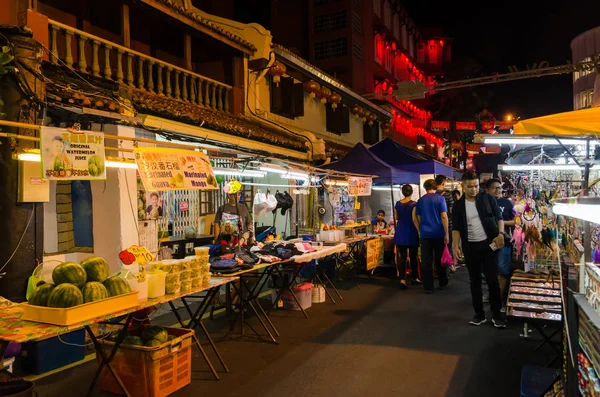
(477, 223)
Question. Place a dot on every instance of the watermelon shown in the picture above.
(41, 282)
(40, 295)
(65, 295)
(153, 342)
(155, 332)
(97, 269)
(94, 291)
(69, 272)
(133, 340)
(116, 286)
(114, 335)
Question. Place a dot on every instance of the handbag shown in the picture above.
(447, 257)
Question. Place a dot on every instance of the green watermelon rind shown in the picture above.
(96, 268)
(155, 332)
(116, 286)
(133, 341)
(65, 296)
(69, 273)
(153, 343)
(41, 294)
(94, 291)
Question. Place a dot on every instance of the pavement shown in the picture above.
(378, 341)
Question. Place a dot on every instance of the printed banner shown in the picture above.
(69, 154)
(473, 148)
(506, 125)
(440, 125)
(491, 149)
(487, 125)
(466, 125)
(374, 253)
(163, 169)
(358, 186)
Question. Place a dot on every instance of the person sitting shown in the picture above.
(379, 222)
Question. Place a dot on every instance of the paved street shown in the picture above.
(379, 341)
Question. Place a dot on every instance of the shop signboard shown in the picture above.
(72, 154)
(374, 253)
(164, 169)
(466, 126)
(440, 125)
(358, 186)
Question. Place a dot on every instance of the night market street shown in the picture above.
(378, 341)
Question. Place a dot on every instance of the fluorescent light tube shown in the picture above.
(234, 172)
(534, 141)
(585, 212)
(29, 157)
(536, 167)
(120, 164)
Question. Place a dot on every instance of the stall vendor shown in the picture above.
(379, 223)
(232, 220)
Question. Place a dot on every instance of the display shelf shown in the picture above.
(583, 208)
(589, 331)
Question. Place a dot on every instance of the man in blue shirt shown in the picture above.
(431, 220)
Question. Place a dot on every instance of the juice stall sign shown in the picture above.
(359, 186)
(71, 154)
(163, 169)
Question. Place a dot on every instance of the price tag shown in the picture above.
(136, 254)
(356, 203)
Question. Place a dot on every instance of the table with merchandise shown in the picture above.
(13, 328)
(536, 299)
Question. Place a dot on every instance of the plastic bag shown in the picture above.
(447, 257)
(260, 203)
(271, 202)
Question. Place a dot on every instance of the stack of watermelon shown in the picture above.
(151, 336)
(76, 284)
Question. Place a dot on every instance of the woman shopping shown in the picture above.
(406, 237)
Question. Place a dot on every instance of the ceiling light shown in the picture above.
(120, 164)
(336, 183)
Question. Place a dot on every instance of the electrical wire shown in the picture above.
(20, 240)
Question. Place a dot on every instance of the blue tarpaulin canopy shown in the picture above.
(361, 161)
(405, 159)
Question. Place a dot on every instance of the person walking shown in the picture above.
(478, 233)
(431, 220)
(494, 188)
(406, 237)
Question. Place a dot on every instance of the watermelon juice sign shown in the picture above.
(174, 169)
(359, 186)
(69, 154)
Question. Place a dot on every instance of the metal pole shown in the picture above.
(587, 246)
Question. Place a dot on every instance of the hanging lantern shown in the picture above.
(364, 113)
(277, 70)
(386, 127)
(324, 93)
(372, 118)
(312, 87)
(354, 110)
(334, 99)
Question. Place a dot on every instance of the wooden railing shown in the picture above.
(114, 62)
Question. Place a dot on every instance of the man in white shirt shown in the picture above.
(477, 223)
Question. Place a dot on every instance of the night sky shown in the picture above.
(501, 34)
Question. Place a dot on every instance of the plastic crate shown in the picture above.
(49, 354)
(150, 371)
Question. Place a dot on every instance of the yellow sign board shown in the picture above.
(163, 169)
(374, 253)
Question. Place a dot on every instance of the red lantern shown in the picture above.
(324, 93)
(334, 99)
(277, 70)
(355, 111)
(372, 118)
(312, 87)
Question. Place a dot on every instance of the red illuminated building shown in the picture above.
(369, 45)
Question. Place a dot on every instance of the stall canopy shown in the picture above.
(361, 161)
(582, 123)
(405, 159)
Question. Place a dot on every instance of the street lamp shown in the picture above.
(509, 117)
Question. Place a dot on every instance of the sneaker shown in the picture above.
(498, 321)
(416, 281)
(478, 319)
(452, 269)
(486, 299)
(503, 310)
(403, 284)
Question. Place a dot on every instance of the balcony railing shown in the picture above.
(110, 61)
